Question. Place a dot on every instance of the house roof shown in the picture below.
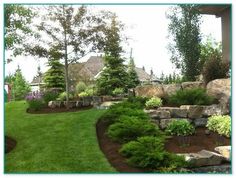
(213, 9)
(37, 80)
(94, 66)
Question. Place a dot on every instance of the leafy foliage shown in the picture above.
(148, 152)
(154, 102)
(80, 87)
(35, 101)
(133, 79)
(195, 96)
(118, 91)
(128, 128)
(62, 96)
(180, 127)
(215, 68)
(184, 28)
(50, 96)
(220, 124)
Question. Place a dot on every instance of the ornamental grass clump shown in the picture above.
(35, 101)
(220, 124)
(154, 103)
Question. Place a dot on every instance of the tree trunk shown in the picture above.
(66, 63)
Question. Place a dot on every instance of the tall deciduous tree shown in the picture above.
(17, 20)
(114, 74)
(185, 48)
(75, 31)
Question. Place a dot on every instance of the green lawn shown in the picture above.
(56, 143)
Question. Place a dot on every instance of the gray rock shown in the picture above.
(171, 88)
(185, 107)
(175, 111)
(203, 158)
(200, 122)
(52, 104)
(156, 114)
(214, 109)
(195, 111)
(225, 168)
(191, 85)
(225, 151)
(79, 104)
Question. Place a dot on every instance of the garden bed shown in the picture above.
(197, 142)
(47, 110)
(10, 144)
(111, 150)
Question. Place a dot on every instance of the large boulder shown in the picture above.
(191, 85)
(214, 109)
(149, 91)
(203, 158)
(171, 89)
(224, 151)
(175, 111)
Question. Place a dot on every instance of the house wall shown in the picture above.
(225, 20)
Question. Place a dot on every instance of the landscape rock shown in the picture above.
(59, 104)
(149, 91)
(185, 107)
(203, 158)
(71, 104)
(170, 89)
(156, 114)
(79, 104)
(175, 111)
(225, 168)
(191, 85)
(214, 109)
(200, 122)
(52, 104)
(220, 89)
(195, 111)
(224, 151)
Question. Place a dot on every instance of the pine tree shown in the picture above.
(54, 77)
(20, 87)
(114, 74)
(132, 74)
(162, 76)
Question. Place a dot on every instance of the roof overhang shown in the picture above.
(213, 9)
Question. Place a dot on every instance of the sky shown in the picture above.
(147, 26)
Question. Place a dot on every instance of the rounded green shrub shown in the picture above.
(62, 96)
(148, 152)
(195, 96)
(153, 103)
(220, 124)
(128, 128)
(180, 127)
(118, 91)
(80, 87)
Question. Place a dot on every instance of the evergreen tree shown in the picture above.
(162, 77)
(20, 87)
(143, 68)
(132, 74)
(54, 77)
(114, 74)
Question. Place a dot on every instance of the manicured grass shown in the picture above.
(56, 143)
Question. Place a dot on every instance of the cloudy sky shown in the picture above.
(147, 27)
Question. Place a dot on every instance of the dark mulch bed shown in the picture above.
(111, 151)
(196, 142)
(10, 143)
(47, 110)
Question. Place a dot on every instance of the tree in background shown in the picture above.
(75, 31)
(184, 27)
(17, 20)
(114, 74)
(132, 75)
(19, 85)
(54, 77)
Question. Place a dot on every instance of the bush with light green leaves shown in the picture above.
(220, 124)
(180, 127)
(154, 103)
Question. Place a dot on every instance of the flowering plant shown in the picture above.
(35, 100)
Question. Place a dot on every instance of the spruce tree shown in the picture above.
(132, 74)
(54, 77)
(114, 74)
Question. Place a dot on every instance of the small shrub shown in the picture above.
(35, 101)
(130, 127)
(215, 68)
(118, 91)
(195, 96)
(50, 96)
(83, 94)
(138, 99)
(62, 96)
(154, 102)
(80, 87)
(220, 124)
(149, 152)
(180, 128)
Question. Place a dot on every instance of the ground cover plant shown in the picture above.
(180, 127)
(153, 103)
(56, 142)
